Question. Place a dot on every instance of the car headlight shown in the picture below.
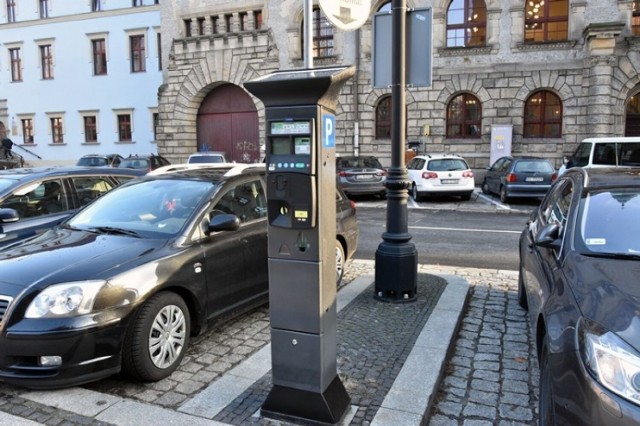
(611, 361)
(65, 300)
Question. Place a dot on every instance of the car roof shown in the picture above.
(204, 154)
(607, 177)
(210, 172)
(617, 139)
(41, 172)
(438, 156)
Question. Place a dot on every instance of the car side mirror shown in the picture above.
(224, 222)
(9, 216)
(549, 236)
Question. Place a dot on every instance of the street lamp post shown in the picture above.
(396, 257)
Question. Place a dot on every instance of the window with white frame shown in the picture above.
(90, 126)
(138, 50)
(99, 52)
(56, 127)
(124, 124)
(26, 123)
(16, 63)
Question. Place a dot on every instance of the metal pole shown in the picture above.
(396, 258)
(308, 34)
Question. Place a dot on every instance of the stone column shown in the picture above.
(600, 61)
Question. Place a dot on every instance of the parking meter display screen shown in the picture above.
(302, 146)
(290, 127)
(281, 146)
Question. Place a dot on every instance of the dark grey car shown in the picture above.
(579, 268)
(519, 177)
(361, 175)
(33, 200)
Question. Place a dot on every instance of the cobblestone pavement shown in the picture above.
(491, 377)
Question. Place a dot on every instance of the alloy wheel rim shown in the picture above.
(167, 336)
(339, 262)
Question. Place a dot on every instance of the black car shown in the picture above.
(97, 160)
(579, 268)
(519, 177)
(125, 283)
(33, 200)
(144, 162)
(361, 175)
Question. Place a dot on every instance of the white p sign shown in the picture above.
(329, 136)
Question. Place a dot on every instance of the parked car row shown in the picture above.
(124, 283)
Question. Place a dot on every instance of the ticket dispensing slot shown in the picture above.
(291, 183)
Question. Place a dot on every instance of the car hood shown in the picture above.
(64, 255)
(608, 292)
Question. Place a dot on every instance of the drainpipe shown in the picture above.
(356, 105)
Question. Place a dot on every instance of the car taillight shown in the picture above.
(511, 177)
(353, 204)
(468, 174)
(342, 173)
(381, 173)
(429, 175)
(554, 177)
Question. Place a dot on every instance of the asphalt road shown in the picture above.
(450, 238)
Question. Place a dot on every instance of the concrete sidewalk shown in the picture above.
(391, 359)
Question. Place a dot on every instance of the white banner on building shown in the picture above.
(501, 136)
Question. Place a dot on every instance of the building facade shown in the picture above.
(552, 71)
(79, 77)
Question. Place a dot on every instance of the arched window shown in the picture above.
(464, 116)
(322, 35)
(386, 7)
(546, 20)
(383, 118)
(635, 18)
(632, 124)
(543, 115)
(466, 23)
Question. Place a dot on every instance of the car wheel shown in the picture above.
(485, 187)
(522, 292)
(157, 339)
(383, 195)
(340, 261)
(503, 195)
(466, 196)
(546, 414)
(414, 193)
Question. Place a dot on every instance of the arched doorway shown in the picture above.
(632, 121)
(228, 122)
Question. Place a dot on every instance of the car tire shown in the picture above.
(485, 187)
(147, 357)
(503, 195)
(340, 261)
(383, 195)
(546, 414)
(414, 193)
(466, 196)
(522, 292)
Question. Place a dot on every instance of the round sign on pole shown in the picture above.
(346, 14)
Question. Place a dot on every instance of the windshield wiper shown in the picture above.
(633, 256)
(112, 230)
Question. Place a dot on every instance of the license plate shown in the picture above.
(448, 181)
(364, 177)
(534, 179)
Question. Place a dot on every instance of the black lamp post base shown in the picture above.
(396, 278)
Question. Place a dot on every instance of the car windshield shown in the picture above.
(153, 208)
(447, 165)
(533, 166)
(609, 222)
(359, 163)
(6, 183)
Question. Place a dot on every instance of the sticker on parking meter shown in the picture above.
(328, 131)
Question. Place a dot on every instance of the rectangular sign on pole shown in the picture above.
(419, 53)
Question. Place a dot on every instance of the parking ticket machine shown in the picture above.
(301, 203)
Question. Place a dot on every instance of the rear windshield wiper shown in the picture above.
(112, 230)
(631, 255)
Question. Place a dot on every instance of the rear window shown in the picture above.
(138, 163)
(533, 166)
(359, 163)
(92, 161)
(206, 159)
(447, 165)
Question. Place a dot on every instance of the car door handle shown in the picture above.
(197, 267)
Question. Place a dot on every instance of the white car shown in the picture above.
(440, 174)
